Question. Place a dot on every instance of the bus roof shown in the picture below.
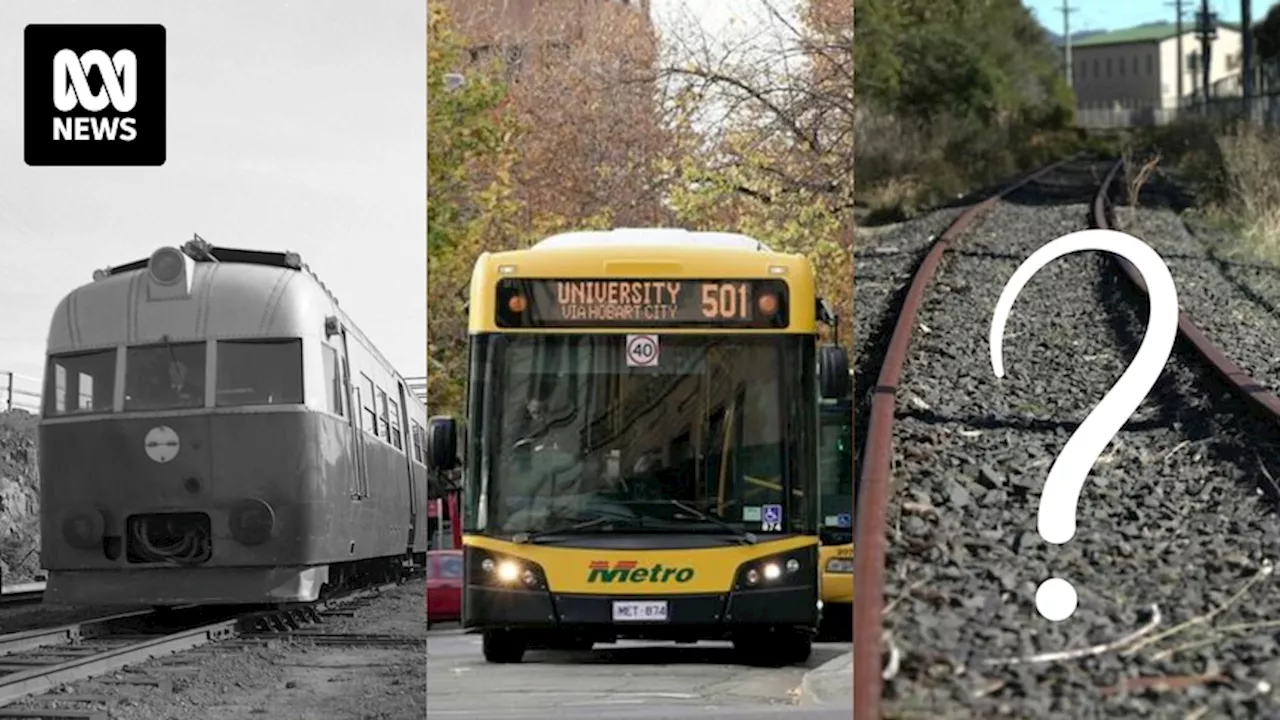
(651, 238)
(645, 253)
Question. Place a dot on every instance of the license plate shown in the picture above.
(640, 611)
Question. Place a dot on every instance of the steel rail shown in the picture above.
(25, 597)
(878, 454)
(41, 678)
(877, 460)
(1238, 378)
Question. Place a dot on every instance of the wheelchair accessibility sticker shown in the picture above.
(772, 521)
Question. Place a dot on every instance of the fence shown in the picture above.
(20, 392)
(1262, 110)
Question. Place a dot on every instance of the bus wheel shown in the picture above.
(800, 647)
(503, 646)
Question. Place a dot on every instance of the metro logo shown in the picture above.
(626, 571)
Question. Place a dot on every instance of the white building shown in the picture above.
(1130, 77)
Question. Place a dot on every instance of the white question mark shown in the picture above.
(1055, 598)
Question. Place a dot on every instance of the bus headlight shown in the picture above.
(770, 571)
(511, 571)
(508, 571)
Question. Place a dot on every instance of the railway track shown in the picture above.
(21, 597)
(991, 560)
(36, 661)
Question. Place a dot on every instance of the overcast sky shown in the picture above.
(291, 126)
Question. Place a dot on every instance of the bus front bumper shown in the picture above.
(837, 588)
(687, 616)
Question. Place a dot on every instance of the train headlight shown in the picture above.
(793, 565)
(166, 265)
(772, 571)
(251, 521)
(753, 576)
(487, 565)
(83, 530)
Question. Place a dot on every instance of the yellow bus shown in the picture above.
(641, 444)
(835, 529)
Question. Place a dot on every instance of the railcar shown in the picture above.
(216, 430)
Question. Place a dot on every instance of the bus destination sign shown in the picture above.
(529, 303)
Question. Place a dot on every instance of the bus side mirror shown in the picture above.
(833, 372)
(442, 443)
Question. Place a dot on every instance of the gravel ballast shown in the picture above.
(1171, 514)
(1234, 300)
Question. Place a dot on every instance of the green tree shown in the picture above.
(1267, 34)
(953, 94)
(468, 134)
(470, 152)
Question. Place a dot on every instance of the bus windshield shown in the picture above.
(835, 473)
(707, 438)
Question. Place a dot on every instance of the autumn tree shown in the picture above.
(543, 118)
(582, 87)
(767, 129)
(470, 151)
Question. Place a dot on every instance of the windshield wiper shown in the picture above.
(747, 537)
(525, 537)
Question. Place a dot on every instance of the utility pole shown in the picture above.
(1182, 59)
(1206, 27)
(1246, 53)
(1066, 42)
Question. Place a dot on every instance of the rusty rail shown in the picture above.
(878, 454)
(1239, 379)
(877, 459)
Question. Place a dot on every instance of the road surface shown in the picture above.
(631, 680)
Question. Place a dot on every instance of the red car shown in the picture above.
(444, 586)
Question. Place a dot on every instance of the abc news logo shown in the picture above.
(108, 101)
(71, 90)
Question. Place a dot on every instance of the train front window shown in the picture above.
(165, 376)
(80, 383)
(259, 372)
(577, 438)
